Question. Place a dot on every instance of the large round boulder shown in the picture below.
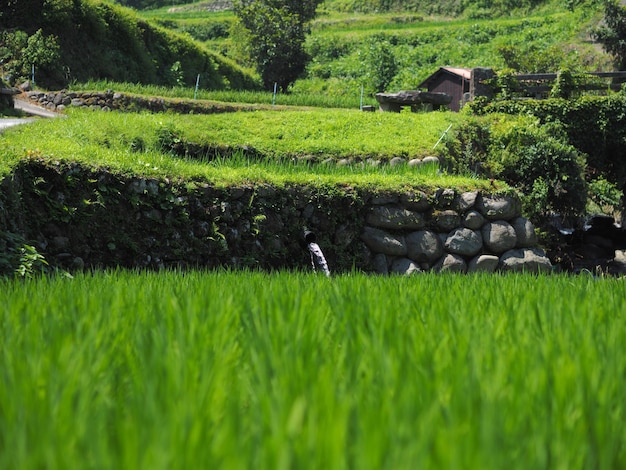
(464, 242)
(424, 246)
(380, 241)
(530, 260)
(525, 232)
(393, 217)
(483, 264)
(498, 207)
(498, 236)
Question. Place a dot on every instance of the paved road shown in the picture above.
(29, 109)
(9, 122)
(33, 110)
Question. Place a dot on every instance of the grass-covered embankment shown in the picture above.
(225, 370)
(142, 144)
(397, 47)
(160, 190)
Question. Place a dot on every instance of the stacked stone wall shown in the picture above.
(115, 101)
(85, 218)
(461, 232)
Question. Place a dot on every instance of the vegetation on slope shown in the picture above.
(90, 39)
(399, 49)
(438, 7)
(192, 147)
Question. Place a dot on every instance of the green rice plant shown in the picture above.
(293, 370)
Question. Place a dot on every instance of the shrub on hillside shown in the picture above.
(6, 101)
(594, 125)
(533, 158)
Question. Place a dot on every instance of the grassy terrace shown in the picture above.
(133, 143)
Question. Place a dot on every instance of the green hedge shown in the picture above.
(594, 125)
(100, 40)
(531, 156)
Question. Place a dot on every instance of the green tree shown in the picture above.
(20, 52)
(612, 33)
(16, 13)
(277, 30)
(379, 63)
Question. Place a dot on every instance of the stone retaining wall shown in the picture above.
(467, 232)
(110, 100)
(80, 217)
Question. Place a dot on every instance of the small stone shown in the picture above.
(430, 160)
(404, 266)
(525, 231)
(451, 263)
(379, 264)
(473, 220)
(465, 201)
(447, 220)
(415, 201)
(444, 198)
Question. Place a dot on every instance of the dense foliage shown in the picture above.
(276, 32)
(535, 158)
(441, 7)
(612, 33)
(110, 42)
(6, 101)
(593, 125)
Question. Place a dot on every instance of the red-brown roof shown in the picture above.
(459, 72)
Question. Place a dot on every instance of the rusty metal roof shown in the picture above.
(459, 72)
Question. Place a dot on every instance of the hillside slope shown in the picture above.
(99, 40)
(397, 45)
(430, 7)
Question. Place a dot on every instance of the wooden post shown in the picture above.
(478, 82)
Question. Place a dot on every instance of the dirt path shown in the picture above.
(32, 109)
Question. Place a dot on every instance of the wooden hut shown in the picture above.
(450, 80)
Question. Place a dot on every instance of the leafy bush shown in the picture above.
(533, 158)
(18, 258)
(379, 65)
(604, 197)
(533, 154)
(593, 125)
